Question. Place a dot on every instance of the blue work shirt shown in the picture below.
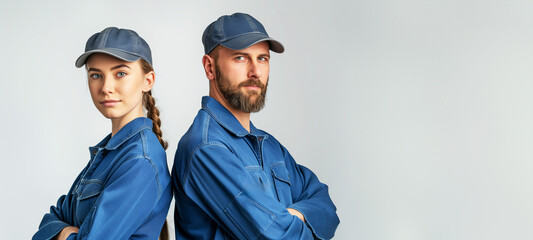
(124, 192)
(233, 184)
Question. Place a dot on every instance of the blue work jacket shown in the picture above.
(233, 184)
(124, 192)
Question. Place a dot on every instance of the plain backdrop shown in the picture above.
(417, 114)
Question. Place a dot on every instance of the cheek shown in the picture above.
(93, 89)
(133, 91)
(265, 70)
(236, 70)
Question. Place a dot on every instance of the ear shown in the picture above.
(209, 67)
(149, 80)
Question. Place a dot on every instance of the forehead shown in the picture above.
(104, 59)
(259, 48)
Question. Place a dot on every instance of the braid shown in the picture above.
(153, 113)
(149, 104)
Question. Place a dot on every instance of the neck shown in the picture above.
(242, 117)
(119, 123)
(116, 125)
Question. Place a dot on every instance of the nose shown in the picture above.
(108, 86)
(255, 70)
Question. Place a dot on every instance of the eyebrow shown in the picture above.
(246, 54)
(239, 53)
(113, 68)
(120, 66)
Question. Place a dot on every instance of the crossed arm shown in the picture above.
(220, 185)
(121, 207)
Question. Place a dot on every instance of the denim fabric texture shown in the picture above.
(233, 184)
(123, 193)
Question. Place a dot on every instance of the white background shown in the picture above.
(417, 114)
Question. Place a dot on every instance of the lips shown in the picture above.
(252, 83)
(109, 103)
(251, 86)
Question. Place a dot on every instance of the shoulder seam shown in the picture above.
(193, 152)
(151, 161)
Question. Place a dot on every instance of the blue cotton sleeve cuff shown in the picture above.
(308, 221)
(72, 236)
(316, 220)
(49, 230)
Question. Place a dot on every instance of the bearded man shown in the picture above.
(232, 180)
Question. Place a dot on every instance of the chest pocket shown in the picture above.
(282, 182)
(87, 194)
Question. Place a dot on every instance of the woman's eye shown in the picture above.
(95, 76)
(121, 74)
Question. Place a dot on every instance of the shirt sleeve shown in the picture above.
(58, 218)
(311, 198)
(124, 204)
(219, 183)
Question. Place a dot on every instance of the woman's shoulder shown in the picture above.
(145, 144)
(145, 147)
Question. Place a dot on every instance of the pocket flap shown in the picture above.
(89, 189)
(280, 172)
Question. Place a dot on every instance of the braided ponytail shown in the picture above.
(152, 110)
(153, 113)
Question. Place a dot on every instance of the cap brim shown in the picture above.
(128, 57)
(247, 40)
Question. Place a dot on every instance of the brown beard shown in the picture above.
(236, 98)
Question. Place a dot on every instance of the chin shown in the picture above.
(253, 99)
(110, 114)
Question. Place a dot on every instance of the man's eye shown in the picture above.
(121, 74)
(263, 59)
(95, 76)
(240, 58)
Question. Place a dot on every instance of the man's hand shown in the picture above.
(296, 213)
(66, 232)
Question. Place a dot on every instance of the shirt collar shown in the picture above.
(125, 133)
(225, 118)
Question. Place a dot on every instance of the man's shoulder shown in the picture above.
(203, 131)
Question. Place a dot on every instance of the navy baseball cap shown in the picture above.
(237, 31)
(123, 44)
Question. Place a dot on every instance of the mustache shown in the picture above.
(252, 82)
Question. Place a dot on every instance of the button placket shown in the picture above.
(98, 154)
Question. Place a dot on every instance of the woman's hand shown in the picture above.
(63, 235)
